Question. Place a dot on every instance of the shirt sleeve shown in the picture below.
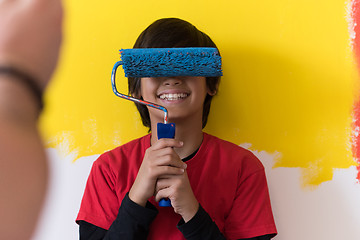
(132, 222)
(100, 203)
(253, 202)
(89, 231)
(201, 227)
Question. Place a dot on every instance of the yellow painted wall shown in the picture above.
(289, 78)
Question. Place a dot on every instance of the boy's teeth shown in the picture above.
(173, 96)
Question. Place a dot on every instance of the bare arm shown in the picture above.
(30, 37)
(23, 170)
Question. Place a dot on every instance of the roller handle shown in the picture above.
(113, 76)
(165, 130)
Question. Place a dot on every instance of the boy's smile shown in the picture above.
(181, 96)
(173, 96)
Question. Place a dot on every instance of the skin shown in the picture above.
(162, 172)
(30, 37)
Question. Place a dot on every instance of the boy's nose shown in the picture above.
(172, 81)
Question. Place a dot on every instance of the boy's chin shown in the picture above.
(176, 116)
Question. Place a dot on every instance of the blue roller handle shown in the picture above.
(165, 130)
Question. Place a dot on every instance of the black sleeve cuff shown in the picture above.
(133, 221)
(201, 226)
(143, 215)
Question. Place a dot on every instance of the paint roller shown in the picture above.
(166, 62)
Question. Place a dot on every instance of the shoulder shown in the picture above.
(231, 153)
(129, 150)
(225, 146)
(215, 141)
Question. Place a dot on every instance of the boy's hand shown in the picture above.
(159, 160)
(178, 189)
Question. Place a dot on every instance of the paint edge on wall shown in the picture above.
(352, 16)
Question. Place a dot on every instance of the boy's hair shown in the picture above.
(169, 33)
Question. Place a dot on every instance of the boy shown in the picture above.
(217, 189)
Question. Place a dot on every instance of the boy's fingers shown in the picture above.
(168, 157)
(163, 182)
(176, 164)
(167, 142)
(169, 160)
(168, 171)
(163, 193)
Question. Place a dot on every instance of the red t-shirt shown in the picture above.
(228, 181)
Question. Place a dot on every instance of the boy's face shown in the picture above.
(181, 96)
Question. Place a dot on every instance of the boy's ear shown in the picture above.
(136, 94)
(213, 92)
